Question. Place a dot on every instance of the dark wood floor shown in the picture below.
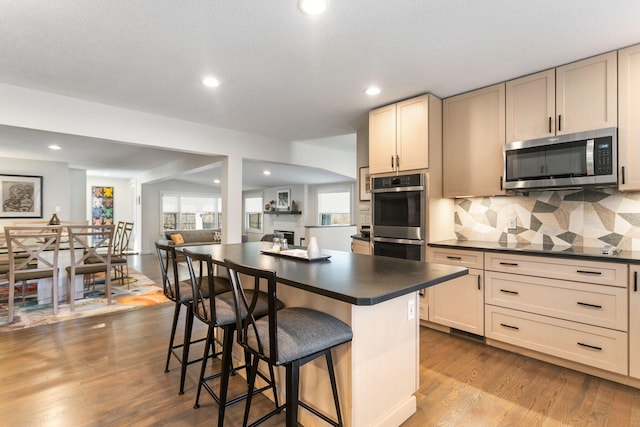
(108, 370)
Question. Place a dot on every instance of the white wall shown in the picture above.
(55, 184)
(77, 194)
(122, 197)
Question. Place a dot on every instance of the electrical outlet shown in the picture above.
(411, 309)
(512, 223)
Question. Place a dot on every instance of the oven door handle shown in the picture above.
(398, 241)
(398, 189)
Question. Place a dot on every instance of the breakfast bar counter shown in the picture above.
(377, 297)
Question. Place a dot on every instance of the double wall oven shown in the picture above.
(398, 216)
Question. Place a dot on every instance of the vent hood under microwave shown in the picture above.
(565, 161)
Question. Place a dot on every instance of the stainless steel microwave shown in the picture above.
(565, 161)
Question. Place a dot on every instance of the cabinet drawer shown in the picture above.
(590, 345)
(462, 258)
(597, 305)
(602, 273)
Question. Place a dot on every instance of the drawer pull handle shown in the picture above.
(635, 281)
(509, 326)
(595, 347)
(506, 291)
(457, 258)
(586, 304)
(513, 264)
(589, 272)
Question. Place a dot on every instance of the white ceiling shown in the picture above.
(284, 74)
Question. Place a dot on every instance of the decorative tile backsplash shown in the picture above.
(592, 218)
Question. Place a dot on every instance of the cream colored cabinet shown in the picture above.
(566, 308)
(531, 106)
(576, 97)
(473, 139)
(458, 303)
(399, 135)
(360, 247)
(629, 112)
(634, 321)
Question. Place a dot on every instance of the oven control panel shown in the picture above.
(412, 180)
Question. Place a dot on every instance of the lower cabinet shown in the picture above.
(634, 321)
(567, 308)
(360, 247)
(458, 303)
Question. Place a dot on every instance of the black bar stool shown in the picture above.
(289, 337)
(181, 294)
(218, 311)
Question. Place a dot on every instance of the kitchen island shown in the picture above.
(378, 371)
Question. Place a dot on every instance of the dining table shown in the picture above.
(378, 297)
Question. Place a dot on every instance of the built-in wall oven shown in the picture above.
(398, 216)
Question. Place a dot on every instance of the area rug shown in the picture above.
(135, 291)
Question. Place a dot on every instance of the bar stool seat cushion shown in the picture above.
(225, 309)
(301, 332)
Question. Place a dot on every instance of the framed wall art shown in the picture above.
(21, 196)
(102, 205)
(283, 199)
(365, 184)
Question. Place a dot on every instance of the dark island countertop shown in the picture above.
(352, 278)
(576, 252)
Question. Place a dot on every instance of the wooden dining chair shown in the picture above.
(90, 251)
(32, 254)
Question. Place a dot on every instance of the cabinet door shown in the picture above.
(360, 247)
(459, 303)
(382, 139)
(531, 106)
(586, 94)
(629, 127)
(412, 141)
(474, 136)
(634, 321)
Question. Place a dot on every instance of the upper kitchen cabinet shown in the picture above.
(473, 139)
(586, 94)
(576, 97)
(629, 126)
(531, 106)
(399, 135)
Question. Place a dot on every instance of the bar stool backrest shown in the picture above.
(243, 280)
(169, 270)
(203, 287)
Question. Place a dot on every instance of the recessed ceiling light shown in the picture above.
(313, 7)
(266, 173)
(372, 91)
(211, 82)
(216, 181)
(55, 147)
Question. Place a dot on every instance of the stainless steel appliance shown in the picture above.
(398, 216)
(566, 161)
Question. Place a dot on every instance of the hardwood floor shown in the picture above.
(109, 370)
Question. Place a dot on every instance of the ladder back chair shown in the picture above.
(90, 251)
(119, 261)
(289, 337)
(214, 305)
(32, 253)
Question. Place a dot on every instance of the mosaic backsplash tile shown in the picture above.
(592, 218)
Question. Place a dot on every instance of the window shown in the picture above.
(192, 212)
(334, 207)
(253, 214)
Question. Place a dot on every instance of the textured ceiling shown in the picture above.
(286, 75)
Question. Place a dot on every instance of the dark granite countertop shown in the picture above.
(352, 278)
(579, 252)
(360, 237)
